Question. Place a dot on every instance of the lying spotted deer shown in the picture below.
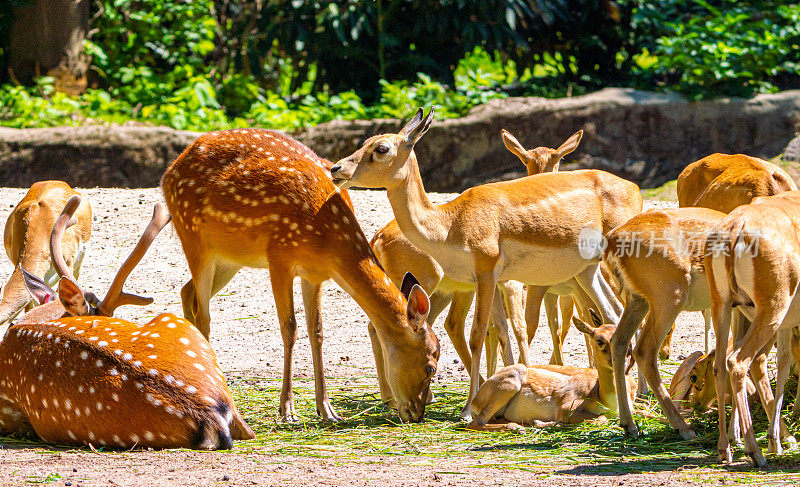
(753, 265)
(74, 375)
(398, 256)
(27, 244)
(541, 395)
(526, 230)
(259, 198)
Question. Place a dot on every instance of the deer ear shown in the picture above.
(596, 318)
(569, 145)
(582, 326)
(72, 297)
(418, 307)
(513, 145)
(416, 128)
(40, 291)
(409, 281)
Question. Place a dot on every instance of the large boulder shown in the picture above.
(94, 155)
(646, 137)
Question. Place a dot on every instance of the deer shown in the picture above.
(510, 230)
(657, 256)
(542, 395)
(723, 182)
(26, 240)
(258, 198)
(397, 256)
(74, 375)
(752, 264)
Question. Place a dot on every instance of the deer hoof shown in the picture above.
(688, 434)
(758, 459)
(725, 455)
(631, 430)
(774, 447)
(466, 414)
(328, 414)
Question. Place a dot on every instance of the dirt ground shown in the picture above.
(246, 338)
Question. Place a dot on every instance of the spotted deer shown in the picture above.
(258, 198)
(27, 243)
(74, 375)
(526, 230)
(541, 395)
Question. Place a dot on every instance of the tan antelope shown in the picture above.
(258, 198)
(398, 256)
(74, 375)
(526, 230)
(753, 264)
(27, 243)
(541, 395)
(658, 258)
(723, 182)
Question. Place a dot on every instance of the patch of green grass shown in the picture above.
(372, 429)
(665, 192)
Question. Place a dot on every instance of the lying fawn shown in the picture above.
(71, 374)
(26, 240)
(259, 198)
(541, 395)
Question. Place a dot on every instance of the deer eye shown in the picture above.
(600, 343)
(430, 370)
(382, 149)
(693, 378)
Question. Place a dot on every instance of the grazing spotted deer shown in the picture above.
(541, 395)
(398, 256)
(72, 374)
(27, 244)
(258, 198)
(526, 230)
(753, 265)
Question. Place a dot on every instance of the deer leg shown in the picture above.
(311, 304)
(485, 286)
(551, 311)
(281, 280)
(193, 305)
(513, 298)
(455, 324)
(632, 315)
(657, 326)
(762, 331)
(495, 394)
(500, 324)
(591, 280)
(386, 391)
(707, 321)
(533, 308)
(567, 306)
(491, 345)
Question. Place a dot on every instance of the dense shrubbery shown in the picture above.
(208, 64)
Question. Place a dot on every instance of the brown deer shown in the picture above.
(541, 395)
(74, 375)
(526, 230)
(752, 265)
(26, 238)
(259, 198)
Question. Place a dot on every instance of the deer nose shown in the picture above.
(336, 168)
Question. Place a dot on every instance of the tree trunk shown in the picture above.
(47, 35)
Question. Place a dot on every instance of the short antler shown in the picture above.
(116, 297)
(64, 221)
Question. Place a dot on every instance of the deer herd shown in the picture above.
(576, 241)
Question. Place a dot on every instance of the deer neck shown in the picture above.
(605, 385)
(422, 222)
(380, 299)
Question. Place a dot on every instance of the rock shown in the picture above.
(645, 137)
(792, 151)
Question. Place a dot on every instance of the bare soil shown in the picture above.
(246, 338)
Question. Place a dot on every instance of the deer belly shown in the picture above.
(539, 265)
(527, 407)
